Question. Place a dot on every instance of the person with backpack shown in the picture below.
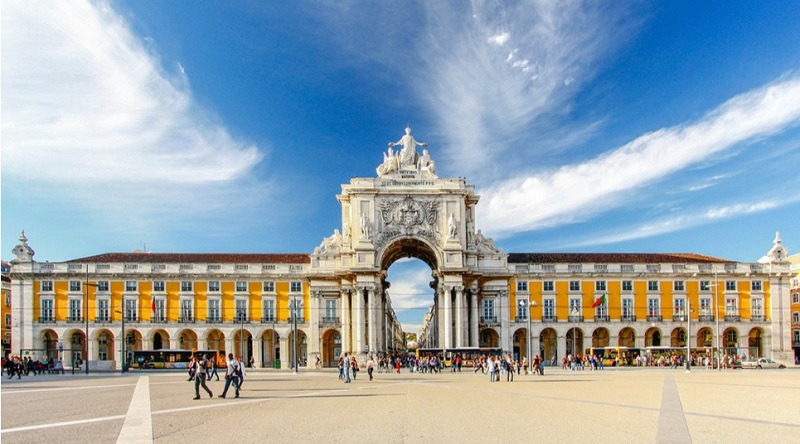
(231, 376)
(200, 376)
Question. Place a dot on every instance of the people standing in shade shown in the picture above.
(370, 366)
(231, 376)
(200, 377)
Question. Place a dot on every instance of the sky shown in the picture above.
(179, 126)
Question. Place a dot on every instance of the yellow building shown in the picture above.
(5, 312)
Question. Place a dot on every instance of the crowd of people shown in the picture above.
(203, 368)
(16, 366)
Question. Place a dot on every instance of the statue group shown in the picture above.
(407, 157)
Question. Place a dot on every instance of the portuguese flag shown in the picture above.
(600, 301)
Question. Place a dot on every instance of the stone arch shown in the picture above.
(755, 342)
(415, 247)
(214, 339)
(574, 338)
(331, 347)
(730, 341)
(242, 344)
(548, 347)
(489, 338)
(520, 343)
(652, 337)
(600, 337)
(302, 347)
(106, 344)
(74, 341)
(678, 337)
(187, 339)
(49, 340)
(270, 348)
(627, 337)
(159, 339)
(705, 338)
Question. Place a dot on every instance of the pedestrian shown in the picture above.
(212, 363)
(346, 367)
(231, 376)
(192, 368)
(241, 374)
(200, 377)
(370, 366)
(354, 366)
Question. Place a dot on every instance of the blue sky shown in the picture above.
(230, 127)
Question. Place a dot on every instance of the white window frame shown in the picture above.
(628, 309)
(103, 286)
(705, 307)
(268, 287)
(679, 286)
(131, 287)
(160, 315)
(653, 286)
(627, 285)
(756, 307)
(705, 285)
(268, 310)
(75, 309)
(214, 309)
(731, 306)
(241, 287)
(186, 309)
(131, 309)
(331, 308)
(103, 309)
(756, 286)
(796, 318)
(295, 287)
(575, 286)
(214, 287)
(548, 286)
(575, 306)
(653, 307)
(679, 307)
(157, 284)
(522, 286)
(600, 286)
(487, 308)
(47, 310)
(549, 308)
(187, 286)
(75, 286)
(47, 286)
(241, 309)
(730, 285)
(796, 298)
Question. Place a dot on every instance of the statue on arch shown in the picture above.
(408, 155)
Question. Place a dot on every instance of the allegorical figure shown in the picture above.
(408, 155)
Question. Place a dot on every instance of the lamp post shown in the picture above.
(688, 335)
(575, 314)
(122, 344)
(716, 318)
(241, 314)
(86, 314)
(523, 303)
(294, 327)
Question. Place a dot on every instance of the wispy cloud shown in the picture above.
(90, 115)
(576, 192)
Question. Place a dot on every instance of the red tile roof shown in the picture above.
(187, 258)
(611, 258)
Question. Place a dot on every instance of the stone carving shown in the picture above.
(452, 230)
(365, 231)
(346, 233)
(330, 245)
(408, 155)
(407, 216)
(23, 252)
(426, 166)
(486, 246)
(391, 163)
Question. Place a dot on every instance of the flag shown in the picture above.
(153, 306)
(600, 301)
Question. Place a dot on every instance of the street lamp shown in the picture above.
(575, 314)
(241, 314)
(122, 338)
(294, 327)
(688, 335)
(86, 313)
(522, 304)
(716, 318)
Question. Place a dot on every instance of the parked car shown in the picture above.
(762, 363)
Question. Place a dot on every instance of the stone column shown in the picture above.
(448, 318)
(460, 318)
(286, 352)
(473, 321)
(358, 330)
(346, 322)
(371, 321)
(314, 340)
(257, 344)
(561, 347)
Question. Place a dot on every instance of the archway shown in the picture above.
(489, 338)
(754, 342)
(187, 340)
(270, 349)
(547, 344)
(107, 345)
(160, 339)
(331, 348)
(215, 340)
(574, 340)
(242, 344)
(627, 337)
(600, 337)
(705, 338)
(50, 344)
(75, 351)
(520, 344)
(302, 348)
(678, 337)
(730, 341)
(652, 337)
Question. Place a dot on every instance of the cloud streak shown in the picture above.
(575, 192)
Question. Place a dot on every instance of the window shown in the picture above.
(269, 310)
(795, 318)
(213, 310)
(296, 287)
(102, 286)
(522, 285)
(600, 286)
(131, 286)
(652, 285)
(296, 308)
(187, 286)
(757, 308)
(158, 315)
(75, 310)
(269, 287)
(241, 286)
(678, 286)
(731, 308)
(705, 286)
(574, 285)
(130, 309)
(755, 285)
(653, 308)
(548, 286)
(241, 310)
(796, 339)
(213, 286)
(575, 307)
(331, 310)
(159, 286)
(46, 314)
(8, 299)
(47, 285)
(680, 307)
(8, 318)
(730, 285)
(522, 309)
(549, 309)
(627, 308)
(102, 310)
(74, 285)
(627, 285)
(488, 310)
(705, 306)
(796, 298)
(186, 310)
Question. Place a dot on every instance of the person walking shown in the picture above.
(242, 372)
(200, 377)
(346, 366)
(213, 369)
(192, 368)
(370, 366)
(231, 376)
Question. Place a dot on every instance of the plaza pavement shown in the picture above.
(613, 405)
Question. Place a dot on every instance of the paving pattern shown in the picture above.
(613, 405)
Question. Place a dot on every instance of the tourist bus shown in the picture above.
(172, 359)
(619, 355)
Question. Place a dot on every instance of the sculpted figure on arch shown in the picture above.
(408, 155)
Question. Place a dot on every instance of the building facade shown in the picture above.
(281, 308)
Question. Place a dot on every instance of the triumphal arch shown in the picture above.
(408, 211)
